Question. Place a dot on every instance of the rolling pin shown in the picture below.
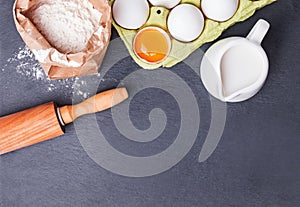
(47, 121)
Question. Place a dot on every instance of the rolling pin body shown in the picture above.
(29, 127)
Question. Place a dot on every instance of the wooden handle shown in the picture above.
(97, 103)
(29, 127)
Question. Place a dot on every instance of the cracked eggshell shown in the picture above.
(165, 3)
(131, 14)
(185, 22)
(219, 10)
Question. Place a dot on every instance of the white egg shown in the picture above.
(185, 22)
(219, 10)
(165, 3)
(130, 14)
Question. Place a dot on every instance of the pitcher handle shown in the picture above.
(259, 31)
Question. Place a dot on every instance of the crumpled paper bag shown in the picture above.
(58, 65)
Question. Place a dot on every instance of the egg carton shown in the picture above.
(181, 50)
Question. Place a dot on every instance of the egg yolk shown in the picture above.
(151, 45)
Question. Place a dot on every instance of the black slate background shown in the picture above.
(257, 162)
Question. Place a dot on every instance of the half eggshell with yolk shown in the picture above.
(152, 44)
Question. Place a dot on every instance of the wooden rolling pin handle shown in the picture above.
(97, 103)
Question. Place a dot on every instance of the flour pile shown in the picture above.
(67, 25)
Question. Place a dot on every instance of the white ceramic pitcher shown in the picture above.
(235, 69)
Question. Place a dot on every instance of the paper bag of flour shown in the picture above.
(69, 38)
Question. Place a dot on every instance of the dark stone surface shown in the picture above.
(255, 164)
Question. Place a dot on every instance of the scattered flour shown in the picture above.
(67, 25)
(25, 64)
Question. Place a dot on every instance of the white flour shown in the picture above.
(25, 64)
(67, 25)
